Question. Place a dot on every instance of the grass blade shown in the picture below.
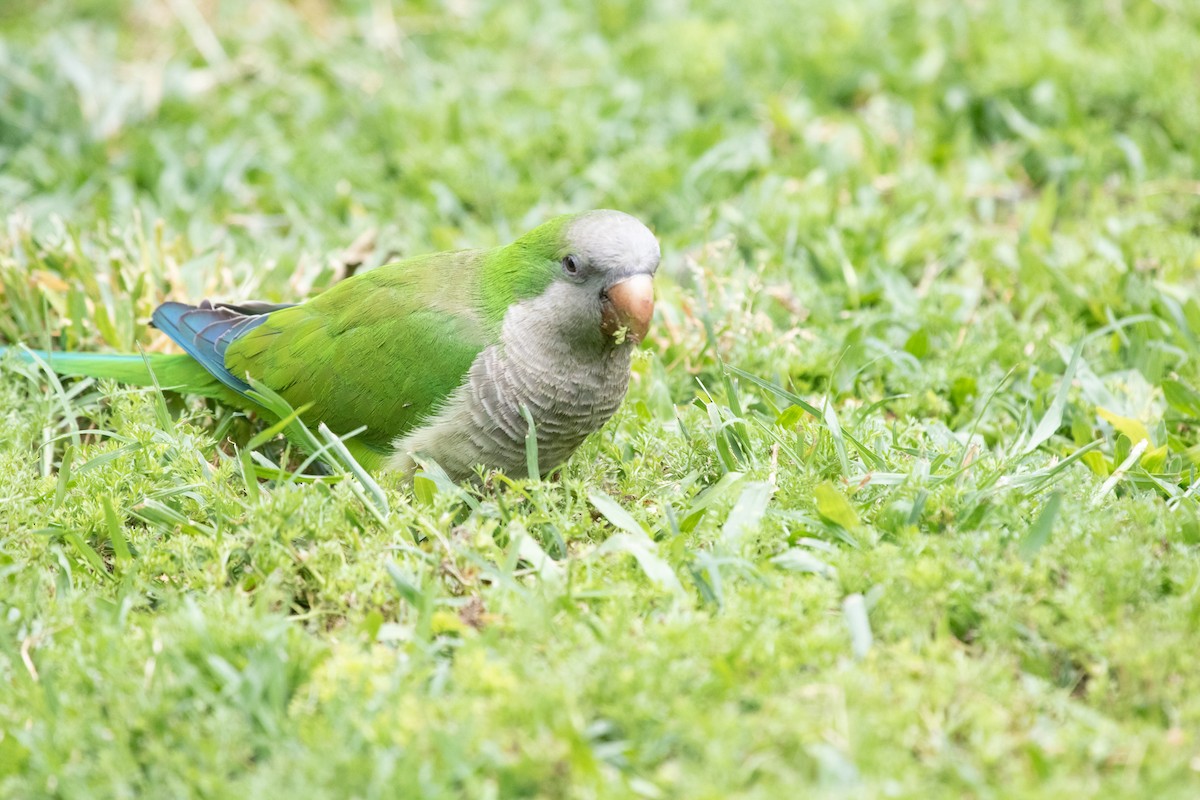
(88, 554)
(643, 551)
(791, 397)
(1052, 420)
(747, 512)
(115, 533)
(854, 609)
(532, 465)
(614, 513)
(1039, 533)
(375, 495)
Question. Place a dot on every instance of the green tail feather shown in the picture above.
(179, 373)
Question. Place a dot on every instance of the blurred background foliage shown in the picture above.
(914, 437)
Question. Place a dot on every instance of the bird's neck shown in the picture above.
(575, 373)
(569, 391)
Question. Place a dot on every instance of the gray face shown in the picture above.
(604, 248)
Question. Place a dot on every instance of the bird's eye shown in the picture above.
(570, 264)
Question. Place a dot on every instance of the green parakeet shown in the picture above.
(435, 355)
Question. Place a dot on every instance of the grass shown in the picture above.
(903, 499)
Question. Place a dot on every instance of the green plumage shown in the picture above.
(389, 345)
(371, 348)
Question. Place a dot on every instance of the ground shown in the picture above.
(902, 501)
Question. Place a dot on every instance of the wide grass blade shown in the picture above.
(1051, 421)
(854, 610)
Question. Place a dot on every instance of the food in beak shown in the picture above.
(628, 306)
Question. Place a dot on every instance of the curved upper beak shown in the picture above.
(628, 306)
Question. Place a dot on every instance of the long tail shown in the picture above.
(179, 373)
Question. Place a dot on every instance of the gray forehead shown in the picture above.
(613, 239)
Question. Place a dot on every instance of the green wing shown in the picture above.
(382, 349)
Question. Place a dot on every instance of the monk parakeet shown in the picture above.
(437, 355)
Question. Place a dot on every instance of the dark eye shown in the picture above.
(571, 264)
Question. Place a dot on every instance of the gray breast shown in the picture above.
(570, 394)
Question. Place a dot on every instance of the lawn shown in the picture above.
(903, 500)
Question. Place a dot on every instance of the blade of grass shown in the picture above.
(532, 465)
(854, 609)
(1039, 533)
(115, 534)
(88, 554)
(1052, 420)
(374, 493)
(1134, 455)
(747, 512)
(615, 514)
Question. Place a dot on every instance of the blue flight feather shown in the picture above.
(206, 331)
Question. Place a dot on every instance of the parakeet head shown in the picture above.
(589, 276)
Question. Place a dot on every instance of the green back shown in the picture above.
(385, 348)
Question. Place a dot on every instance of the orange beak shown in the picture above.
(628, 306)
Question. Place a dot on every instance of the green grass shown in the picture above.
(876, 519)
